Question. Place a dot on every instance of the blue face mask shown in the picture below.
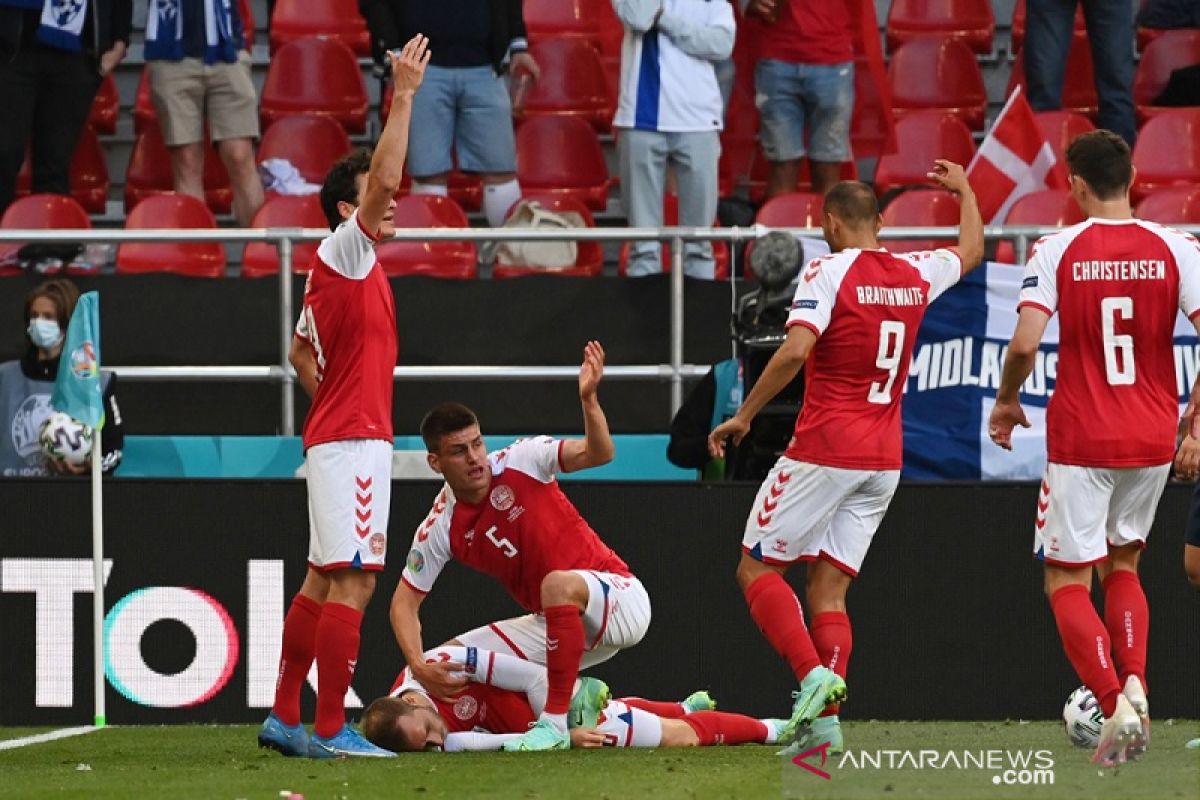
(44, 333)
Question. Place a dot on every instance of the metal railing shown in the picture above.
(675, 371)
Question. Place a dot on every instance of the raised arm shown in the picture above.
(952, 177)
(437, 678)
(596, 448)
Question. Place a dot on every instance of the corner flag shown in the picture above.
(78, 391)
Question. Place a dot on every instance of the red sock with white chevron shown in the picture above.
(721, 727)
(564, 647)
(1086, 642)
(296, 657)
(776, 609)
(337, 655)
(1127, 617)
(833, 638)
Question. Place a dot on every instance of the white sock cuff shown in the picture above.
(498, 198)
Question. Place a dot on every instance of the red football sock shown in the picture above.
(299, 644)
(1127, 617)
(833, 638)
(721, 727)
(1085, 641)
(337, 653)
(564, 630)
(658, 708)
(776, 609)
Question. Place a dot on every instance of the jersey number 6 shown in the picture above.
(1118, 347)
(891, 350)
(508, 548)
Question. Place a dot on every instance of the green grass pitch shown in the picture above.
(210, 762)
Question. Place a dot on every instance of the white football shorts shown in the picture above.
(1083, 510)
(808, 511)
(349, 498)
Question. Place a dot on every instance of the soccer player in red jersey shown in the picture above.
(343, 353)
(852, 325)
(505, 694)
(1117, 285)
(504, 514)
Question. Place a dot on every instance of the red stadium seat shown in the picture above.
(968, 20)
(171, 210)
(589, 256)
(88, 179)
(937, 74)
(310, 143)
(1179, 206)
(572, 82)
(921, 138)
(144, 112)
(439, 259)
(315, 76)
(283, 211)
(578, 18)
(612, 33)
(562, 156)
(40, 212)
(1167, 152)
(1169, 52)
(920, 208)
(105, 107)
(1060, 128)
(1018, 25)
(792, 210)
(720, 250)
(1049, 207)
(149, 173)
(336, 19)
(1079, 86)
(248, 25)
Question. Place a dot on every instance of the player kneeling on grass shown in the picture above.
(505, 694)
(854, 321)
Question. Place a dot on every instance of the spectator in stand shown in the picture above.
(804, 81)
(200, 73)
(27, 384)
(51, 63)
(669, 113)
(464, 101)
(1049, 28)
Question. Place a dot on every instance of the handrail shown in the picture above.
(284, 238)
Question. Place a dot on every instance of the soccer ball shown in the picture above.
(65, 439)
(1083, 719)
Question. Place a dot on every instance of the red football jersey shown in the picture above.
(349, 321)
(1117, 287)
(866, 306)
(524, 529)
(481, 706)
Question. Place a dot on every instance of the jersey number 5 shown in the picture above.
(508, 548)
(891, 350)
(1118, 347)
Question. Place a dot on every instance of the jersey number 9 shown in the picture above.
(891, 350)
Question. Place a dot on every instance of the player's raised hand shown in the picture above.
(1005, 417)
(408, 65)
(441, 679)
(950, 176)
(735, 428)
(591, 371)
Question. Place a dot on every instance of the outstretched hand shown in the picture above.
(950, 176)
(734, 428)
(1005, 417)
(591, 371)
(408, 65)
(442, 680)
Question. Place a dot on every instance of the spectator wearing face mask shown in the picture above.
(27, 384)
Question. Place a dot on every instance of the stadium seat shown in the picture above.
(172, 210)
(283, 211)
(792, 210)
(1049, 207)
(315, 76)
(1179, 206)
(88, 178)
(144, 112)
(310, 143)
(1059, 128)
(1168, 52)
(577, 18)
(1167, 152)
(572, 82)
(720, 250)
(932, 73)
(335, 19)
(248, 24)
(150, 173)
(920, 139)
(920, 208)
(968, 20)
(1018, 25)
(562, 156)
(105, 107)
(39, 212)
(1079, 86)
(589, 256)
(439, 259)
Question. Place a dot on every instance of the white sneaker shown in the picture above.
(1118, 734)
(1136, 695)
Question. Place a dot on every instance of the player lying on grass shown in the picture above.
(504, 696)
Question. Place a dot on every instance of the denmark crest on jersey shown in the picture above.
(502, 498)
(465, 707)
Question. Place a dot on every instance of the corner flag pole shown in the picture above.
(98, 578)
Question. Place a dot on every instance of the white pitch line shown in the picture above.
(12, 744)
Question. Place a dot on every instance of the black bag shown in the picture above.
(1183, 89)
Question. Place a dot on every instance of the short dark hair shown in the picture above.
(339, 183)
(1103, 160)
(60, 291)
(853, 202)
(380, 723)
(443, 419)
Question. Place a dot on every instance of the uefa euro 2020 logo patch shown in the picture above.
(83, 361)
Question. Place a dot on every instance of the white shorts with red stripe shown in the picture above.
(616, 618)
(1081, 511)
(349, 498)
(808, 511)
(625, 726)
